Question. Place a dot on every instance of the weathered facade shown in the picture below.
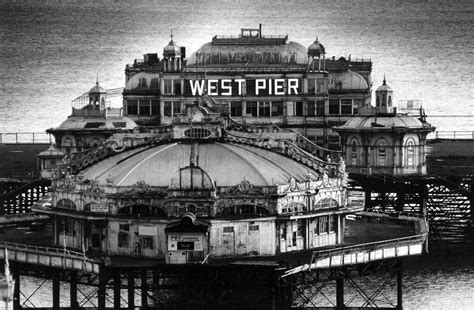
(198, 189)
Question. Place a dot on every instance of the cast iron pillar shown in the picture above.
(400, 286)
(16, 292)
(101, 292)
(131, 290)
(340, 292)
(56, 292)
(144, 288)
(117, 287)
(73, 290)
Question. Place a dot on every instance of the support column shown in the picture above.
(16, 293)
(56, 292)
(144, 288)
(340, 292)
(117, 286)
(400, 200)
(101, 291)
(368, 199)
(131, 290)
(400, 286)
(73, 290)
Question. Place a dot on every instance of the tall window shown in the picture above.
(251, 108)
(311, 86)
(177, 87)
(410, 153)
(323, 224)
(236, 108)
(320, 108)
(299, 108)
(321, 86)
(155, 107)
(168, 108)
(144, 108)
(311, 108)
(123, 236)
(277, 108)
(168, 87)
(264, 109)
(354, 152)
(334, 107)
(346, 106)
(381, 152)
(132, 107)
(176, 108)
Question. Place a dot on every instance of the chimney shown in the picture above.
(260, 30)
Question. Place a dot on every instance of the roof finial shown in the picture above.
(171, 35)
(316, 38)
(384, 81)
(97, 78)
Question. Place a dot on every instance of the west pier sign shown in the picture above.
(234, 87)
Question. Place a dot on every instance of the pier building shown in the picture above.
(199, 189)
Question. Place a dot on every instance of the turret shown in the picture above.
(97, 97)
(384, 98)
(173, 56)
(316, 52)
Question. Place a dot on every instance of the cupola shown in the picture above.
(384, 98)
(316, 55)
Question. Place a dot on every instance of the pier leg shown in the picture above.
(131, 290)
(400, 287)
(73, 290)
(340, 292)
(144, 285)
(101, 292)
(56, 292)
(117, 286)
(16, 293)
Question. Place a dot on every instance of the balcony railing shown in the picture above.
(452, 135)
(25, 138)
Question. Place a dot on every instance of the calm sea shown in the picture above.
(52, 51)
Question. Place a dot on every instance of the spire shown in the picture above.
(384, 81)
(171, 35)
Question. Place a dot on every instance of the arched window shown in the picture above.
(245, 210)
(389, 101)
(410, 153)
(66, 204)
(381, 152)
(191, 209)
(326, 203)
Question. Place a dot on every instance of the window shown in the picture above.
(176, 108)
(381, 152)
(294, 238)
(334, 106)
(320, 108)
(277, 108)
(142, 83)
(228, 229)
(155, 107)
(123, 236)
(323, 224)
(311, 108)
(346, 106)
(321, 89)
(147, 242)
(251, 108)
(168, 87)
(334, 143)
(177, 87)
(264, 109)
(132, 107)
(300, 228)
(144, 108)
(283, 231)
(410, 154)
(155, 83)
(316, 226)
(354, 152)
(236, 108)
(69, 226)
(311, 86)
(167, 110)
(357, 104)
(254, 227)
(332, 223)
(299, 108)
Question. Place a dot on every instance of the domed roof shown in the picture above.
(97, 89)
(291, 52)
(227, 164)
(171, 50)
(384, 86)
(381, 123)
(96, 122)
(316, 49)
(52, 151)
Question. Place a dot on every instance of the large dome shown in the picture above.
(211, 53)
(227, 164)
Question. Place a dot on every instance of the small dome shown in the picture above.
(316, 49)
(52, 151)
(171, 50)
(191, 178)
(384, 86)
(97, 89)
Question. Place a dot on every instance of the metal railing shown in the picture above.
(51, 251)
(452, 135)
(25, 138)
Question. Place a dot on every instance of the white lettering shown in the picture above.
(293, 85)
(240, 82)
(279, 83)
(260, 84)
(196, 87)
(212, 87)
(225, 85)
